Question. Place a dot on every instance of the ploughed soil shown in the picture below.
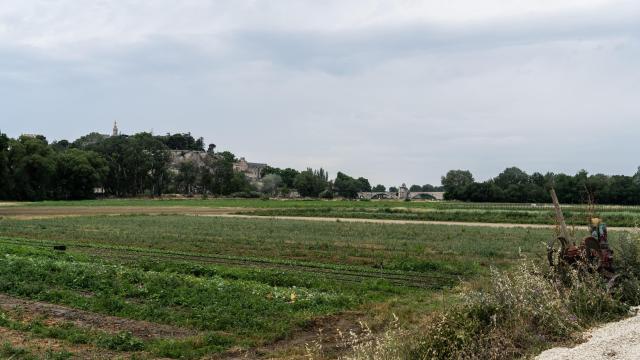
(111, 324)
(41, 347)
(22, 212)
(332, 333)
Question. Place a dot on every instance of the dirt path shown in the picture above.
(27, 213)
(111, 324)
(330, 332)
(402, 222)
(618, 340)
(41, 348)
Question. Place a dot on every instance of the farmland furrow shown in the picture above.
(407, 279)
(424, 282)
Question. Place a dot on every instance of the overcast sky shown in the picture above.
(395, 91)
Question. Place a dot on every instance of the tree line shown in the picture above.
(32, 168)
(516, 186)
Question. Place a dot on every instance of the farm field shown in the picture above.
(620, 216)
(147, 286)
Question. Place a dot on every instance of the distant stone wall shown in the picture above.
(253, 171)
(400, 195)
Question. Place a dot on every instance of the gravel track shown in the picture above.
(27, 213)
(618, 340)
(401, 222)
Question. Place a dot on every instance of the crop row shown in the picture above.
(251, 312)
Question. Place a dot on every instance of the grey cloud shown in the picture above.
(402, 103)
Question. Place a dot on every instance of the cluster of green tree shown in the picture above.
(171, 141)
(33, 169)
(182, 142)
(214, 177)
(315, 183)
(515, 185)
(308, 183)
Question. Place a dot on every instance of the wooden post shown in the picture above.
(559, 215)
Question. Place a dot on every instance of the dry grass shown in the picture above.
(522, 312)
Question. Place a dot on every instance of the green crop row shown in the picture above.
(250, 312)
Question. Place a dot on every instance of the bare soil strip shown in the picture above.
(28, 213)
(331, 332)
(111, 324)
(39, 347)
(618, 340)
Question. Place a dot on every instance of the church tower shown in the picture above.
(115, 129)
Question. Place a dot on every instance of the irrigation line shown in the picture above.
(335, 275)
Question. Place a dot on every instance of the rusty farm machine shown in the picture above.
(592, 251)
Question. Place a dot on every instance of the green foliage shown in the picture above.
(270, 184)
(516, 186)
(455, 183)
(310, 183)
(415, 188)
(32, 168)
(6, 183)
(452, 250)
(379, 188)
(122, 341)
(522, 311)
(78, 173)
(188, 177)
(137, 164)
(218, 177)
(89, 141)
(169, 294)
(12, 352)
(364, 184)
(182, 142)
(348, 187)
(287, 175)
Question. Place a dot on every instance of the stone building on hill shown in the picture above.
(182, 156)
(253, 171)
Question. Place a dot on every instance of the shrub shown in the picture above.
(123, 341)
(521, 311)
(326, 194)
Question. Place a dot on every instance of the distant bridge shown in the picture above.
(401, 195)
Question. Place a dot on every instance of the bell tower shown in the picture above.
(115, 129)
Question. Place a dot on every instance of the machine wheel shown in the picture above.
(556, 248)
(591, 251)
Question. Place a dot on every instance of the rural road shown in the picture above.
(619, 340)
(43, 212)
(403, 222)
